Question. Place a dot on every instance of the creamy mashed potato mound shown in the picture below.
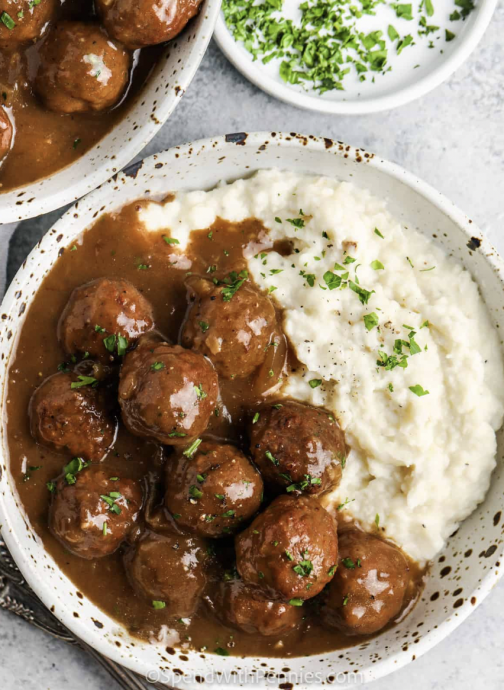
(358, 289)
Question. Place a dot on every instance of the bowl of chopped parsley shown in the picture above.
(350, 57)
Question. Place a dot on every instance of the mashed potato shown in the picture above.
(393, 337)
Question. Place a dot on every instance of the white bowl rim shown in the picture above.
(47, 201)
(357, 106)
(219, 144)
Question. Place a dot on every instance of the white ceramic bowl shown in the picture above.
(152, 107)
(414, 73)
(461, 575)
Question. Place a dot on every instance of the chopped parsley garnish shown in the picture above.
(99, 329)
(170, 240)
(332, 280)
(51, 486)
(345, 600)
(232, 283)
(343, 505)
(189, 452)
(76, 143)
(228, 514)
(289, 556)
(74, 466)
(194, 492)
(332, 570)
(348, 563)
(158, 604)
(296, 602)
(298, 223)
(303, 568)
(377, 232)
(272, 459)
(377, 265)
(377, 520)
(315, 383)
(371, 320)
(157, 366)
(110, 500)
(221, 651)
(303, 484)
(112, 342)
(255, 418)
(84, 381)
(204, 326)
(418, 390)
(363, 294)
(200, 393)
(7, 20)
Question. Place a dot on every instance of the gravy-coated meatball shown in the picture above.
(166, 392)
(140, 23)
(297, 446)
(369, 586)
(234, 332)
(6, 133)
(25, 21)
(71, 420)
(81, 69)
(100, 310)
(94, 514)
(245, 608)
(290, 550)
(170, 569)
(213, 490)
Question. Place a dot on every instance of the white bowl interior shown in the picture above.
(152, 107)
(468, 566)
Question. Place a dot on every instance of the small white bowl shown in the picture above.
(414, 73)
(468, 566)
(153, 106)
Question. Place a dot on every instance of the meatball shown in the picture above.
(103, 318)
(92, 513)
(23, 21)
(166, 392)
(245, 608)
(212, 490)
(298, 447)
(369, 586)
(233, 330)
(140, 23)
(6, 133)
(169, 569)
(290, 550)
(81, 69)
(71, 420)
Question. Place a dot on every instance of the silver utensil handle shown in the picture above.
(17, 597)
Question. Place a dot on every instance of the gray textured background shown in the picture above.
(454, 139)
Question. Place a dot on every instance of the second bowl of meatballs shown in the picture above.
(84, 90)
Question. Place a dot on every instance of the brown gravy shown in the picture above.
(46, 141)
(115, 246)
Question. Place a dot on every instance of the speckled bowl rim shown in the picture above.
(32, 200)
(219, 146)
(355, 106)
